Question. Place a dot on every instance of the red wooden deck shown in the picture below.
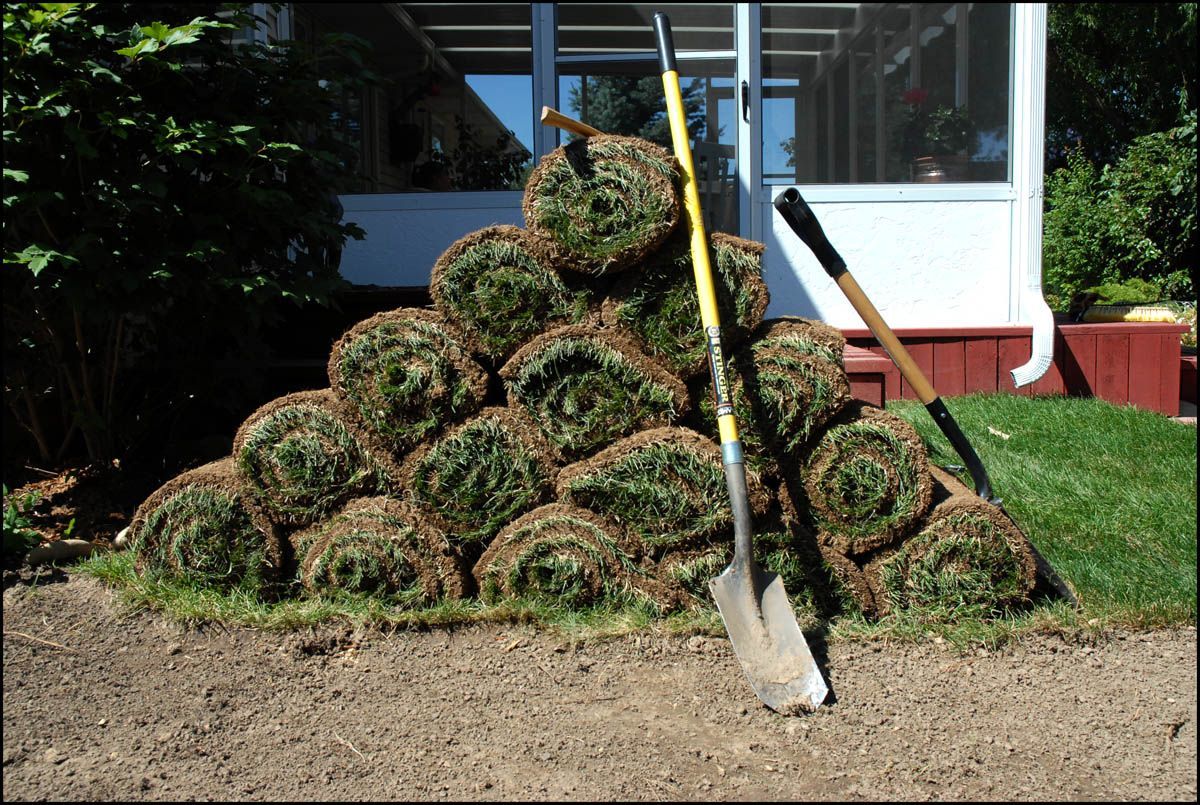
(1122, 362)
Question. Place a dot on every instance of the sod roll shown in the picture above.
(567, 556)
(803, 335)
(585, 387)
(204, 525)
(967, 559)
(379, 547)
(403, 375)
(658, 300)
(303, 458)
(665, 485)
(481, 475)
(866, 480)
(782, 396)
(816, 589)
(606, 201)
(499, 285)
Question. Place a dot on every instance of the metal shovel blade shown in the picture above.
(767, 640)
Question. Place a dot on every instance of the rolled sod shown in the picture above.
(658, 300)
(481, 475)
(204, 525)
(567, 556)
(499, 285)
(380, 547)
(586, 387)
(967, 559)
(782, 397)
(403, 375)
(665, 485)
(302, 458)
(808, 336)
(866, 480)
(606, 201)
(814, 587)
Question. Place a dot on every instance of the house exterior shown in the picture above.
(816, 96)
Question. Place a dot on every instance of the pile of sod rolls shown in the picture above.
(546, 432)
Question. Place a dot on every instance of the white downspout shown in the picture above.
(1028, 139)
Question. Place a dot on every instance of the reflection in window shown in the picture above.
(608, 77)
(892, 93)
(454, 108)
(627, 98)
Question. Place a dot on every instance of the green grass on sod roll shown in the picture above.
(966, 559)
(404, 376)
(481, 475)
(379, 547)
(303, 459)
(566, 556)
(666, 485)
(657, 301)
(500, 287)
(202, 526)
(586, 387)
(606, 201)
(866, 480)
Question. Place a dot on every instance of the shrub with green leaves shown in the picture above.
(1135, 219)
(19, 536)
(163, 190)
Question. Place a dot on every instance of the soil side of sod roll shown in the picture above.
(380, 547)
(585, 387)
(403, 375)
(206, 525)
(501, 286)
(966, 559)
(606, 201)
(481, 475)
(666, 485)
(303, 458)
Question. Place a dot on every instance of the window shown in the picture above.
(455, 111)
(608, 77)
(892, 93)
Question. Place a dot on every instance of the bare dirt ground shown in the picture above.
(105, 705)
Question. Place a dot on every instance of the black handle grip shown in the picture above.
(666, 44)
(983, 484)
(800, 218)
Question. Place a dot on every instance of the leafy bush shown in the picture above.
(1130, 292)
(164, 188)
(19, 537)
(1132, 220)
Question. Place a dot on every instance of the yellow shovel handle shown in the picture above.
(701, 266)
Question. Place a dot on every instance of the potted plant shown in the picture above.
(935, 139)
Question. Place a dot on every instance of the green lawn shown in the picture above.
(1106, 493)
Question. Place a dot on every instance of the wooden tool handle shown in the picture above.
(552, 117)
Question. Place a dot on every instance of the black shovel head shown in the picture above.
(767, 640)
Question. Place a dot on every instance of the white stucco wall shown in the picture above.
(921, 263)
(407, 233)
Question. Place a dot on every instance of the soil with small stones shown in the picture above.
(103, 704)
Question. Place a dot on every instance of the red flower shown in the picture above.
(915, 96)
